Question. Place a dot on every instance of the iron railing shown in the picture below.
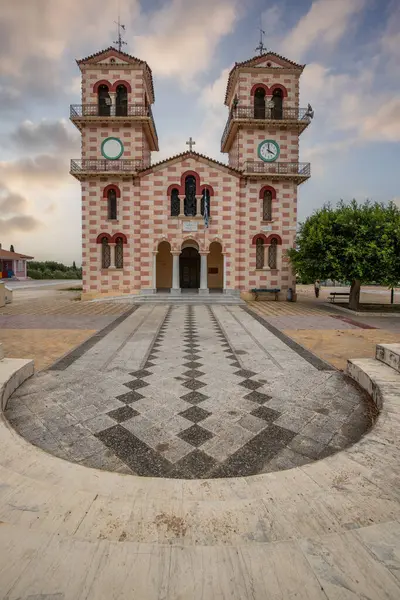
(102, 165)
(268, 114)
(100, 110)
(278, 168)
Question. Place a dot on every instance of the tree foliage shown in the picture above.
(12, 248)
(352, 242)
(53, 270)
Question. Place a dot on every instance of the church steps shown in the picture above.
(167, 299)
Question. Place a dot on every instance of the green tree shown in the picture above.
(74, 266)
(12, 248)
(359, 243)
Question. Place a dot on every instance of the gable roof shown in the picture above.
(190, 154)
(7, 255)
(111, 51)
(254, 61)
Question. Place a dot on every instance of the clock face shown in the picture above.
(112, 148)
(268, 150)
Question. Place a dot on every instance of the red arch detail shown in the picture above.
(268, 188)
(259, 85)
(274, 236)
(102, 82)
(103, 235)
(174, 186)
(195, 175)
(112, 187)
(258, 236)
(278, 86)
(119, 235)
(207, 187)
(121, 82)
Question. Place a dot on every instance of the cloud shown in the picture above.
(14, 206)
(15, 224)
(43, 169)
(11, 203)
(57, 135)
(326, 23)
(384, 122)
(182, 36)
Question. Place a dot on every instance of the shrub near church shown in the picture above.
(53, 270)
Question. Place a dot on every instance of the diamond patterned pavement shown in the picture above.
(195, 392)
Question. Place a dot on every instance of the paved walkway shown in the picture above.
(329, 530)
(44, 324)
(331, 334)
(190, 392)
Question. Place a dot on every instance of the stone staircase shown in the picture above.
(165, 298)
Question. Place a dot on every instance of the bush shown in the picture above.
(35, 274)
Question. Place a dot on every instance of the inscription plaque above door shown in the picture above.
(190, 226)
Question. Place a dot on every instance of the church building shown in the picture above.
(190, 221)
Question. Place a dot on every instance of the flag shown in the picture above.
(206, 208)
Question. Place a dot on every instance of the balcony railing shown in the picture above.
(78, 111)
(300, 115)
(297, 170)
(102, 165)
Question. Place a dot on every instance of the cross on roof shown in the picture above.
(190, 143)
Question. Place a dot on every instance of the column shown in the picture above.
(155, 271)
(203, 275)
(175, 274)
(112, 256)
(113, 96)
(182, 207)
(224, 275)
(198, 206)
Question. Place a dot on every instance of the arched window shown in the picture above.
(105, 253)
(273, 254)
(175, 203)
(205, 198)
(259, 253)
(112, 204)
(104, 100)
(121, 101)
(259, 103)
(267, 206)
(119, 253)
(277, 99)
(190, 196)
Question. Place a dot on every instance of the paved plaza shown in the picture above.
(190, 391)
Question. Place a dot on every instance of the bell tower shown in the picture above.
(118, 136)
(265, 121)
(261, 137)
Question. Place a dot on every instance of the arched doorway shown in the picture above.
(215, 267)
(189, 266)
(164, 267)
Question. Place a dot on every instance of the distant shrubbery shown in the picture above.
(53, 270)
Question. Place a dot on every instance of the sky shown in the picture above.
(352, 80)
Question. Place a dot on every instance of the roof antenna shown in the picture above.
(120, 42)
(261, 48)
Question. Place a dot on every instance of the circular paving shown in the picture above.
(190, 392)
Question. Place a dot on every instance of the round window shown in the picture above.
(112, 148)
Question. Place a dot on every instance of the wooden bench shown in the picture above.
(334, 295)
(258, 291)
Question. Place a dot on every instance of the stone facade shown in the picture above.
(140, 247)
